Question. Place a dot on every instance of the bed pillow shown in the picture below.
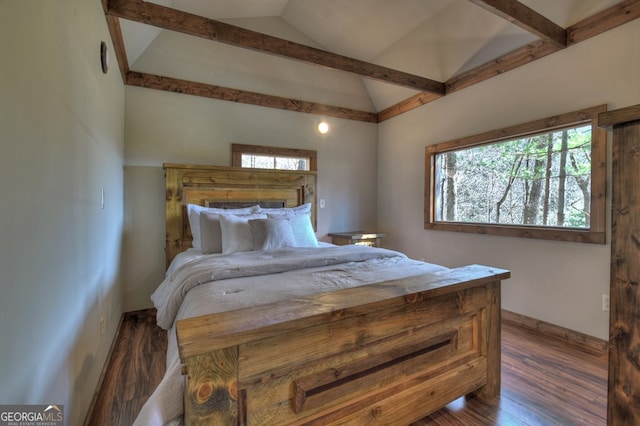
(287, 211)
(236, 232)
(194, 211)
(211, 232)
(278, 232)
(303, 231)
(271, 234)
(259, 231)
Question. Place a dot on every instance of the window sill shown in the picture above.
(556, 234)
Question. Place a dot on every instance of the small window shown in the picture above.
(267, 157)
(544, 179)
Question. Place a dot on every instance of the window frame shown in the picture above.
(238, 149)
(595, 234)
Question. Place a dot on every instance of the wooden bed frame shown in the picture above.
(214, 185)
(387, 353)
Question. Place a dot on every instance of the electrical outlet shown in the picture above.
(605, 302)
(103, 325)
(323, 203)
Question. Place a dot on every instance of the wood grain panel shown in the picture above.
(211, 396)
(118, 42)
(311, 390)
(395, 345)
(618, 116)
(406, 105)
(610, 18)
(624, 334)
(545, 381)
(402, 405)
(334, 339)
(176, 85)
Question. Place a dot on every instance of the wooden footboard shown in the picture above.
(390, 352)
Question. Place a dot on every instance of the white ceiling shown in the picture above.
(436, 39)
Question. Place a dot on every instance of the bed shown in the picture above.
(274, 327)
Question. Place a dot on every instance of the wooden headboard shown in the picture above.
(214, 186)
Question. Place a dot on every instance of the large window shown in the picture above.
(269, 157)
(544, 179)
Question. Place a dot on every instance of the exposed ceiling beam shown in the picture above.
(511, 60)
(195, 25)
(514, 59)
(118, 45)
(526, 18)
(603, 21)
(175, 85)
(408, 104)
(612, 17)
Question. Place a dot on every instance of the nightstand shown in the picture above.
(371, 239)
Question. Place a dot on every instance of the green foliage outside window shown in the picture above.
(540, 180)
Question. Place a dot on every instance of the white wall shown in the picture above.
(561, 283)
(62, 137)
(164, 127)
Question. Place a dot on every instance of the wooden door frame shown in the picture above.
(624, 325)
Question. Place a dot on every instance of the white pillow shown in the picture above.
(211, 233)
(287, 211)
(279, 232)
(270, 234)
(236, 232)
(193, 213)
(303, 230)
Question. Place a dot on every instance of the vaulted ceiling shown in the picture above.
(366, 60)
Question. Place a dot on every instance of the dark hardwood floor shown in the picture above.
(545, 381)
(136, 367)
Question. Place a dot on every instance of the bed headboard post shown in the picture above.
(198, 184)
(173, 213)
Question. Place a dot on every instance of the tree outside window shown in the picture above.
(256, 161)
(545, 182)
(270, 157)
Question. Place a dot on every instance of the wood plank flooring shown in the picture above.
(136, 367)
(545, 381)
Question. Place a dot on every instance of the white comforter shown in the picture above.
(204, 284)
